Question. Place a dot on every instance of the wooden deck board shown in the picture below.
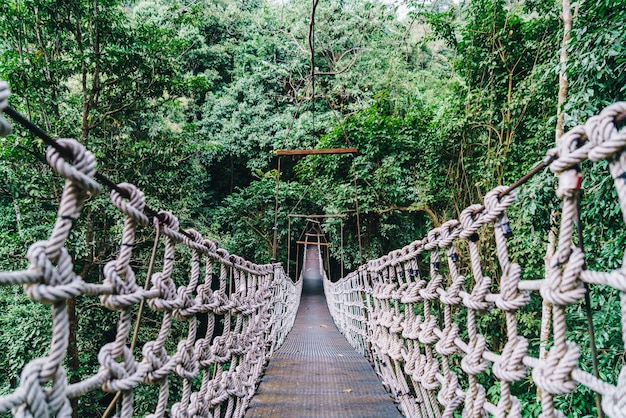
(316, 373)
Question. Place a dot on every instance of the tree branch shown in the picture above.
(267, 241)
(342, 70)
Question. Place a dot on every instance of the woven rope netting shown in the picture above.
(418, 318)
(249, 309)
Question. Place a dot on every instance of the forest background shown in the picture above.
(188, 99)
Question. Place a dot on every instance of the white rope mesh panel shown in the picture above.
(256, 303)
(421, 325)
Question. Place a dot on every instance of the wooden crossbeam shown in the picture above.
(317, 216)
(315, 151)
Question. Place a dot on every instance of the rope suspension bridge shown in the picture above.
(412, 315)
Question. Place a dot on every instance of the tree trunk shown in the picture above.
(563, 83)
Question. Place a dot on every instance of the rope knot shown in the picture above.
(223, 253)
(167, 293)
(399, 291)
(474, 403)
(476, 300)
(510, 366)
(447, 395)
(57, 283)
(510, 297)
(449, 231)
(196, 241)
(239, 344)
(207, 297)
(211, 245)
(170, 220)
(188, 365)
(134, 206)
(451, 296)
(570, 182)
(496, 205)
(472, 219)
(216, 392)
(564, 287)
(159, 364)
(509, 407)
(220, 350)
(411, 327)
(43, 401)
(187, 305)
(203, 352)
(412, 292)
(614, 404)
(179, 411)
(125, 292)
(411, 362)
(432, 241)
(572, 149)
(603, 133)
(554, 375)
(121, 376)
(396, 347)
(396, 324)
(82, 169)
(430, 292)
(386, 319)
(427, 335)
(473, 362)
(79, 185)
(429, 374)
(446, 346)
(417, 363)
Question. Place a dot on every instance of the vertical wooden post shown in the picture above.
(275, 228)
(288, 244)
(341, 240)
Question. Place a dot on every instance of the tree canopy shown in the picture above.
(188, 99)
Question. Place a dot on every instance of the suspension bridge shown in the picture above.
(411, 343)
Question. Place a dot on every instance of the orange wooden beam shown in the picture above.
(316, 151)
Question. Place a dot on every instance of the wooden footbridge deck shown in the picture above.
(316, 373)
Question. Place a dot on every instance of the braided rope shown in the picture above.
(409, 323)
(258, 304)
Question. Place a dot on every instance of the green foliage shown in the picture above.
(246, 219)
(25, 334)
(188, 99)
(597, 60)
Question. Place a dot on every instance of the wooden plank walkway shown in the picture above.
(316, 373)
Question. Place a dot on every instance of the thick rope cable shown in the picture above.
(408, 319)
(405, 318)
(48, 140)
(258, 304)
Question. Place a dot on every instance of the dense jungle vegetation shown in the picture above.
(187, 99)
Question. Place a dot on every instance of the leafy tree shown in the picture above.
(188, 99)
(101, 72)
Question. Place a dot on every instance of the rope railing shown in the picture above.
(249, 309)
(420, 325)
